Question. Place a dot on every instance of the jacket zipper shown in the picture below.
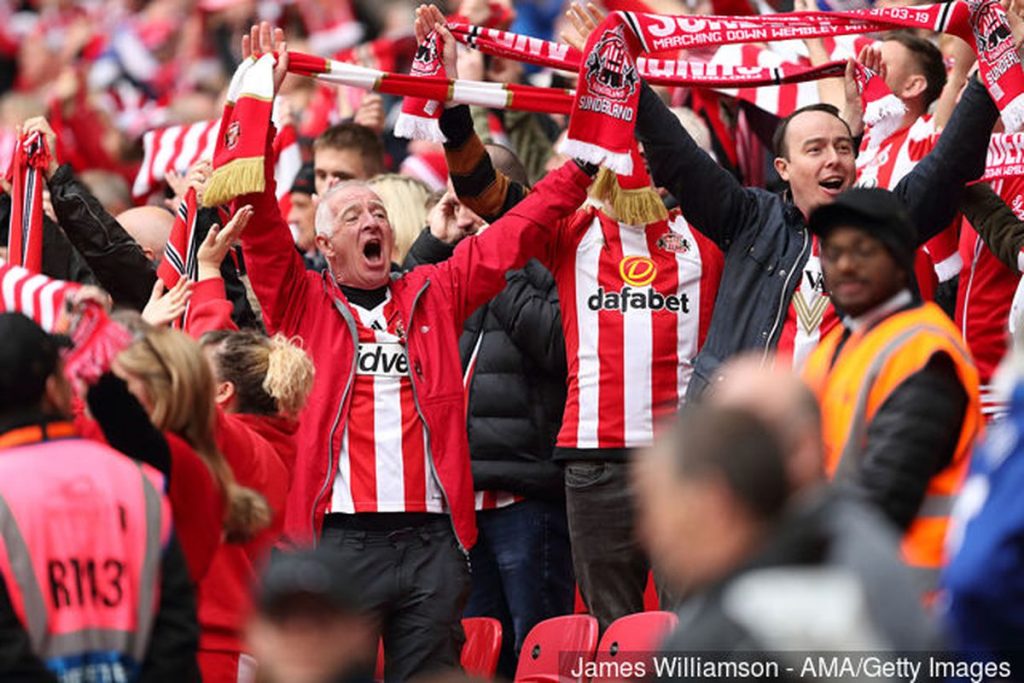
(350, 322)
(782, 299)
(417, 371)
(970, 285)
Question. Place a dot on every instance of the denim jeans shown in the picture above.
(521, 571)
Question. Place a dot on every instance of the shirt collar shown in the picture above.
(866, 320)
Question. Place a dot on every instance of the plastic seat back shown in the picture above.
(482, 647)
(556, 647)
(629, 641)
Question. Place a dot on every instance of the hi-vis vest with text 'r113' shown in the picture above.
(871, 365)
(83, 530)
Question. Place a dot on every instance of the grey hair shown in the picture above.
(325, 217)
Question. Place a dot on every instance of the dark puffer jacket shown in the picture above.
(517, 393)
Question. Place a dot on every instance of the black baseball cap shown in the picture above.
(308, 579)
(28, 356)
(304, 182)
(875, 211)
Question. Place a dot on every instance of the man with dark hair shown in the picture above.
(709, 493)
(851, 534)
(779, 140)
(346, 151)
(758, 576)
(914, 68)
(310, 624)
(771, 295)
(898, 389)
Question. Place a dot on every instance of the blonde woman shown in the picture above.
(168, 374)
(405, 199)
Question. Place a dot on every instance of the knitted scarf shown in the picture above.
(604, 110)
(25, 232)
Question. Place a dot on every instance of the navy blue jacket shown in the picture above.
(763, 235)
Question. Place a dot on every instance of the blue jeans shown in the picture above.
(521, 571)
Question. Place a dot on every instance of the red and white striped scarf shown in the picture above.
(25, 231)
(182, 246)
(604, 111)
(178, 147)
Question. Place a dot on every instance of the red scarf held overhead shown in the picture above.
(25, 231)
(673, 71)
(419, 119)
(604, 111)
(238, 160)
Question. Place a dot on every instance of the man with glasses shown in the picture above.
(898, 390)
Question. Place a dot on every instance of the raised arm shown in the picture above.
(277, 273)
(476, 270)
(932, 192)
(997, 224)
(711, 199)
(478, 185)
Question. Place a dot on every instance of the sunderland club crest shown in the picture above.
(611, 72)
(233, 133)
(674, 243)
(426, 62)
(991, 32)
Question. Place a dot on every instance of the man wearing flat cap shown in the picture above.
(897, 387)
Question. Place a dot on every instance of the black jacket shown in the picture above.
(60, 260)
(120, 265)
(117, 260)
(747, 614)
(763, 236)
(517, 393)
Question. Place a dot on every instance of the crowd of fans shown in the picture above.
(771, 371)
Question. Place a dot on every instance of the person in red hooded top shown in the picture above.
(261, 385)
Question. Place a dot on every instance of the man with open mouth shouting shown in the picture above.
(383, 470)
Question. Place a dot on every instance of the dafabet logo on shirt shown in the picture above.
(638, 271)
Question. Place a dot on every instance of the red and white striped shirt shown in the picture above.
(984, 296)
(33, 295)
(883, 163)
(636, 303)
(385, 461)
(810, 315)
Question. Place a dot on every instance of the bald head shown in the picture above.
(150, 226)
(785, 404)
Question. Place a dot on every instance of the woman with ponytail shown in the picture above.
(168, 374)
(261, 386)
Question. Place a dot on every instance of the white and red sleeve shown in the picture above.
(33, 295)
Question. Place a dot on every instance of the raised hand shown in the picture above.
(38, 124)
(262, 38)
(429, 18)
(371, 113)
(164, 307)
(218, 242)
(584, 20)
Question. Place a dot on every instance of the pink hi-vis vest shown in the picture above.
(82, 532)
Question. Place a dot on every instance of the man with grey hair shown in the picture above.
(383, 471)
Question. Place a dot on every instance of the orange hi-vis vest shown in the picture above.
(853, 386)
(82, 532)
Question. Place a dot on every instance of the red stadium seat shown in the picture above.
(541, 660)
(632, 638)
(483, 646)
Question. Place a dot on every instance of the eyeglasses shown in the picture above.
(858, 252)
